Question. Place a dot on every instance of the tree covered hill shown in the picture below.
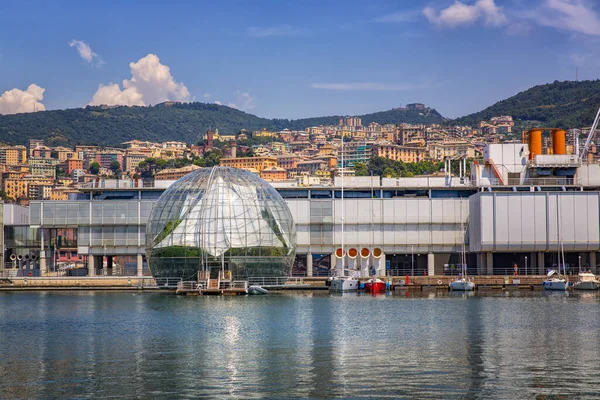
(566, 104)
(167, 121)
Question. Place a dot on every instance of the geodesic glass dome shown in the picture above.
(220, 218)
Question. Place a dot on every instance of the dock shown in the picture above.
(213, 287)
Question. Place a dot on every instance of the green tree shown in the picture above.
(360, 169)
(115, 166)
(94, 168)
(4, 197)
(212, 157)
(389, 172)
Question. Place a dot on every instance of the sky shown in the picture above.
(291, 59)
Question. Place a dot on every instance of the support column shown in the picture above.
(481, 264)
(532, 267)
(489, 263)
(381, 267)
(593, 262)
(309, 267)
(541, 263)
(430, 264)
(140, 265)
(42, 255)
(91, 269)
(109, 265)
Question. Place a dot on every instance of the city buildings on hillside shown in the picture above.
(38, 171)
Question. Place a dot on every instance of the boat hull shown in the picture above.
(254, 289)
(555, 285)
(343, 284)
(375, 287)
(586, 285)
(462, 286)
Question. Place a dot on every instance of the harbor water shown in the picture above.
(435, 345)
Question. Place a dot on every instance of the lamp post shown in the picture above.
(580, 263)
(525, 265)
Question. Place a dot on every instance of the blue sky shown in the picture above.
(292, 59)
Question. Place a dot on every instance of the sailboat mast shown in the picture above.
(342, 172)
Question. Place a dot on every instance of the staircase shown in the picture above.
(496, 171)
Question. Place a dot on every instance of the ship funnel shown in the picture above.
(558, 141)
(535, 143)
(377, 253)
(352, 253)
(365, 252)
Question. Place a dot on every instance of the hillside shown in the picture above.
(168, 121)
(566, 104)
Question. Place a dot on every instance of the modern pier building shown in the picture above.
(515, 207)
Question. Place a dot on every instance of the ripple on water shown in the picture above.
(409, 346)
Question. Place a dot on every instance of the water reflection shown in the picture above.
(411, 344)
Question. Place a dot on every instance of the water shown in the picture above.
(126, 345)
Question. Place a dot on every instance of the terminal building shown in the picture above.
(515, 206)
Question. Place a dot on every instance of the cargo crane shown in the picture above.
(589, 138)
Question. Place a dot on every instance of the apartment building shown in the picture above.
(256, 163)
(405, 154)
(442, 150)
(174, 173)
(13, 155)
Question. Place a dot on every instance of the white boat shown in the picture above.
(555, 280)
(343, 280)
(255, 289)
(463, 283)
(343, 283)
(587, 281)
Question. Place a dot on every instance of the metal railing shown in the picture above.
(167, 283)
(275, 280)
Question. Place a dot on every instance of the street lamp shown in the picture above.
(579, 263)
(525, 265)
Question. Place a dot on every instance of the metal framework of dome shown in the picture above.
(220, 218)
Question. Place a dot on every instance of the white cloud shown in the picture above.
(572, 15)
(245, 100)
(207, 95)
(375, 86)
(280, 30)
(16, 101)
(460, 13)
(218, 102)
(85, 52)
(151, 83)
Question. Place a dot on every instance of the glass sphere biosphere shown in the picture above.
(220, 219)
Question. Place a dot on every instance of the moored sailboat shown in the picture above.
(462, 283)
(343, 280)
(554, 279)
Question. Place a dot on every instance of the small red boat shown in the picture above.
(375, 286)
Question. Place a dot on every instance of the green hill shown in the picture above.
(167, 121)
(566, 104)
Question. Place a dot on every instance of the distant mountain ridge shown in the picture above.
(568, 104)
(186, 122)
